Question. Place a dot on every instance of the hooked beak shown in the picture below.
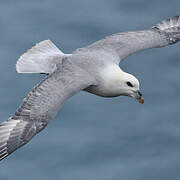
(138, 96)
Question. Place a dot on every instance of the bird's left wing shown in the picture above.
(41, 105)
(126, 43)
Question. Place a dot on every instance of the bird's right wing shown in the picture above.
(126, 43)
(41, 105)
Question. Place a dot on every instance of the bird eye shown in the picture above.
(129, 84)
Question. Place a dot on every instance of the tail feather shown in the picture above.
(170, 28)
(42, 58)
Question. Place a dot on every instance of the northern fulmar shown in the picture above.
(94, 68)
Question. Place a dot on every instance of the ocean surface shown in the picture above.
(94, 138)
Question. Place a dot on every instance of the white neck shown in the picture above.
(111, 77)
(112, 74)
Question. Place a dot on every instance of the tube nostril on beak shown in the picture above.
(140, 94)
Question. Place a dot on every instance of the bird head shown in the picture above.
(116, 82)
(129, 86)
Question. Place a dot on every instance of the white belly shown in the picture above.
(101, 92)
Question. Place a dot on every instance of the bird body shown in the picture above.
(94, 68)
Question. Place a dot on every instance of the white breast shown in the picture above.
(110, 78)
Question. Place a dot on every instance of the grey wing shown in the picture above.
(41, 105)
(125, 43)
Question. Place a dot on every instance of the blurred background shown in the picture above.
(93, 138)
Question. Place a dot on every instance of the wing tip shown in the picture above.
(167, 24)
(170, 28)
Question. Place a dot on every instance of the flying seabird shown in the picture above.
(94, 68)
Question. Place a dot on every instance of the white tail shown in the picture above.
(42, 58)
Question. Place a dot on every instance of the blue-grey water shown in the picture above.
(93, 138)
